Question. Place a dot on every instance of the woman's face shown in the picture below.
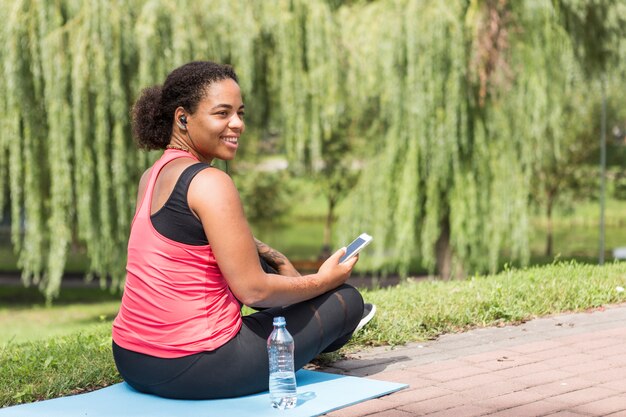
(218, 123)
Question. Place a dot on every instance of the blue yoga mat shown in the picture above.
(318, 393)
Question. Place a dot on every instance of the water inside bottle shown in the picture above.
(283, 393)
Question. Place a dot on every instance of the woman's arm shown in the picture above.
(214, 198)
(275, 259)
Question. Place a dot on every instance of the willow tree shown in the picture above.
(598, 29)
(555, 83)
(433, 93)
(311, 90)
(66, 84)
(71, 71)
(461, 95)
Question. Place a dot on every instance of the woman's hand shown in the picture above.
(337, 273)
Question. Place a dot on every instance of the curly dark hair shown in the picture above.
(185, 86)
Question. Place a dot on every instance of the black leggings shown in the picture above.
(240, 367)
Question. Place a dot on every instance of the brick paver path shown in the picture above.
(566, 365)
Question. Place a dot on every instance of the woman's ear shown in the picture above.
(181, 118)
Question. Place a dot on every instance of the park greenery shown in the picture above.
(439, 125)
(45, 365)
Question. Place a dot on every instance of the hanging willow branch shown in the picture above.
(71, 72)
(450, 183)
(421, 90)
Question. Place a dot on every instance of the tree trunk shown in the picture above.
(444, 252)
(328, 229)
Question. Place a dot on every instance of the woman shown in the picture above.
(192, 258)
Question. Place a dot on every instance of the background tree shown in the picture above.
(472, 100)
(451, 104)
(561, 96)
(436, 94)
(71, 71)
(597, 29)
(336, 176)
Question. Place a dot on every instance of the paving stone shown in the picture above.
(538, 408)
(583, 396)
(561, 386)
(467, 350)
(492, 356)
(587, 367)
(606, 375)
(569, 359)
(438, 366)
(559, 352)
(461, 411)
(568, 365)
(503, 413)
(433, 405)
(417, 395)
(618, 414)
(612, 350)
(471, 382)
(483, 392)
(523, 370)
(541, 378)
(391, 413)
(506, 362)
(614, 333)
(593, 346)
(414, 379)
(513, 399)
(536, 346)
(433, 358)
(455, 373)
(604, 406)
(619, 385)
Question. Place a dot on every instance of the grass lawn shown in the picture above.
(412, 311)
(25, 317)
(40, 322)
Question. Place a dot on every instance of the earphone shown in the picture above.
(183, 125)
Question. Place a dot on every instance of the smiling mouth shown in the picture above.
(231, 139)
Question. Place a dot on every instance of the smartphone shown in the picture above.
(356, 246)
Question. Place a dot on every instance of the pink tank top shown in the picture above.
(176, 301)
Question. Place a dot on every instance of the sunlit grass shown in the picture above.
(24, 315)
(56, 366)
(425, 309)
(413, 311)
(27, 324)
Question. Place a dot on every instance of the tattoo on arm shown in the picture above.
(274, 258)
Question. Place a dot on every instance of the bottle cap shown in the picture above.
(279, 321)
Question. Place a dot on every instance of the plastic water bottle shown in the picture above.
(280, 346)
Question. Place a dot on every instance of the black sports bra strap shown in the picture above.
(182, 185)
(175, 220)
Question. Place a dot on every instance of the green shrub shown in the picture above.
(265, 195)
